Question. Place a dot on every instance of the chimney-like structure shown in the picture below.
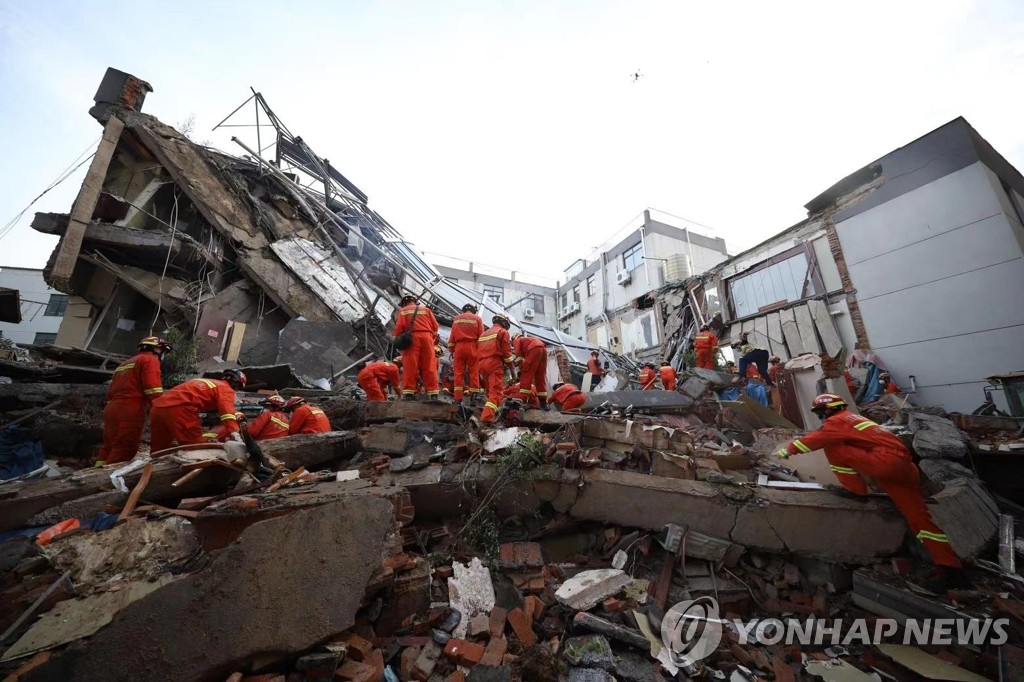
(119, 89)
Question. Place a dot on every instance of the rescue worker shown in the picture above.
(567, 398)
(773, 368)
(219, 433)
(419, 363)
(175, 414)
(514, 391)
(136, 384)
(305, 418)
(494, 353)
(856, 447)
(648, 377)
(752, 355)
(272, 422)
(533, 355)
(467, 327)
(594, 367)
(706, 345)
(888, 385)
(375, 379)
(668, 376)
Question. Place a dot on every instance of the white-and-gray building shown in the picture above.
(525, 296)
(42, 308)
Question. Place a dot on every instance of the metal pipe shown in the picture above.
(338, 374)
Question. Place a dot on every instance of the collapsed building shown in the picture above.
(408, 543)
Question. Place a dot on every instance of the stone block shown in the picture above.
(585, 590)
(589, 651)
(936, 437)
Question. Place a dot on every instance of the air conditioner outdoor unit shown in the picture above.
(574, 308)
(623, 277)
(528, 314)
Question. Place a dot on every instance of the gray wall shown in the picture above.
(939, 278)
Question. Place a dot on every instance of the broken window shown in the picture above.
(633, 257)
(494, 292)
(783, 279)
(56, 306)
(44, 339)
(591, 285)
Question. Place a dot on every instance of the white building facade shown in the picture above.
(42, 308)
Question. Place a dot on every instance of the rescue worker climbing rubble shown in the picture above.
(752, 355)
(174, 416)
(467, 327)
(494, 352)
(419, 362)
(648, 377)
(857, 447)
(305, 418)
(533, 355)
(136, 384)
(567, 398)
(272, 422)
(668, 376)
(887, 385)
(376, 378)
(594, 367)
(706, 345)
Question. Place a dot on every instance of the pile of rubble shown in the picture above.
(411, 545)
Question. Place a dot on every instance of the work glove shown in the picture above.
(782, 453)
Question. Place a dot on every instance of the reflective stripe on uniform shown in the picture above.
(487, 338)
(800, 446)
(315, 411)
(127, 365)
(151, 391)
(429, 393)
(208, 382)
(209, 434)
(842, 470)
(934, 537)
(280, 423)
(508, 359)
(542, 394)
(228, 417)
(490, 405)
(866, 424)
(465, 321)
(408, 392)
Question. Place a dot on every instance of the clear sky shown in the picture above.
(512, 133)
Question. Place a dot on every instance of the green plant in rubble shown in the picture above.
(180, 363)
(481, 533)
(517, 461)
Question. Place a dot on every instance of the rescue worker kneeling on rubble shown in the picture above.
(856, 447)
(175, 414)
(272, 422)
(305, 418)
(668, 376)
(135, 385)
(567, 398)
(648, 377)
(375, 379)
(494, 353)
(533, 356)
(219, 433)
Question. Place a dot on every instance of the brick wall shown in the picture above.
(844, 277)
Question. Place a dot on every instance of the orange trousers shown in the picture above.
(123, 421)
(574, 402)
(898, 478)
(170, 424)
(706, 358)
(492, 370)
(374, 390)
(420, 364)
(533, 375)
(465, 362)
(668, 383)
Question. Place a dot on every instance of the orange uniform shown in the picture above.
(648, 377)
(515, 391)
(891, 387)
(308, 419)
(136, 383)
(494, 353)
(269, 425)
(375, 378)
(419, 363)
(668, 377)
(175, 414)
(854, 446)
(567, 397)
(533, 374)
(773, 372)
(752, 372)
(706, 345)
(467, 328)
(594, 367)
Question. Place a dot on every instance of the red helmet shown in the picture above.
(274, 401)
(293, 403)
(827, 401)
(236, 376)
(155, 343)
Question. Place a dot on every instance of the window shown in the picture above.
(494, 292)
(576, 293)
(564, 299)
(535, 301)
(780, 281)
(44, 338)
(633, 257)
(591, 285)
(57, 305)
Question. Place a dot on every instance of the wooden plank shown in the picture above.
(826, 327)
(85, 204)
(775, 337)
(805, 323)
(791, 333)
(133, 499)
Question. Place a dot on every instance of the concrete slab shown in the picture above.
(808, 335)
(648, 401)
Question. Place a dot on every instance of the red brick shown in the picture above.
(520, 555)
(495, 651)
(359, 648)
(522, 625)
(534, 607)
(463, 652)
(613, 605)
(354, 671)
(497, 621)
(444, 572)
(457, 676)
(407, 662)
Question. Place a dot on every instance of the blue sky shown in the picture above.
(511, 133)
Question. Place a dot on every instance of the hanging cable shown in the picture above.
(167, 260)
